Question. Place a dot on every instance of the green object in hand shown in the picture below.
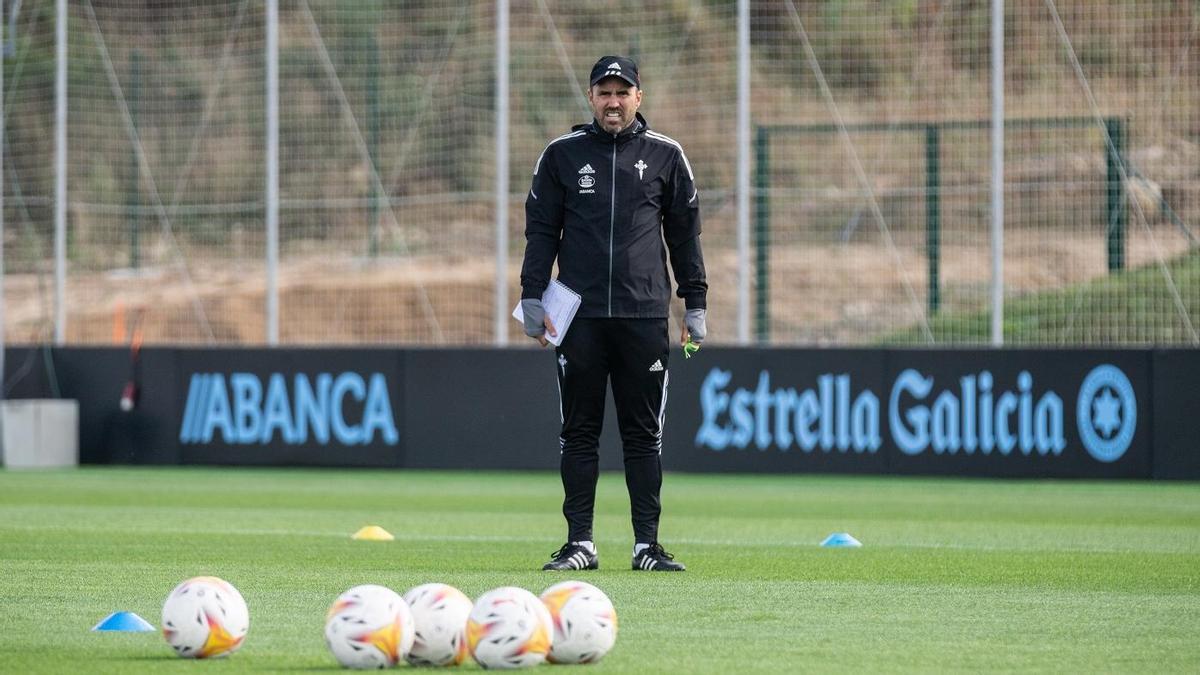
(690, 348)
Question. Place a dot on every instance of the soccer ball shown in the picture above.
(205, 617)
(509, 627)
(440, 613)
(369, 627)
(585, 623)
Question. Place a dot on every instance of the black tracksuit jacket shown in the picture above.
(603, 206)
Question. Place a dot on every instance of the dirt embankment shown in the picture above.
(820, 293)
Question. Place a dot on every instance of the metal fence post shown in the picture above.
(60, 172)
(133, 200)
(373, 138)
(1118, 218)
(272, 178)
(933, 213)
(762, 180)
(501, 187)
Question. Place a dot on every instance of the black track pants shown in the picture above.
(633, 353)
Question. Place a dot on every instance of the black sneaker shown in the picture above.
(572, 557)
(653, 557)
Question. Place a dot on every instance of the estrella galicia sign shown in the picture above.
(969, 414)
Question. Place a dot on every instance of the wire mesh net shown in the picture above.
(874, 207)
(387, 203)
(28, 173)
(870, 209)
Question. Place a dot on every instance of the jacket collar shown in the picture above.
(639, 126)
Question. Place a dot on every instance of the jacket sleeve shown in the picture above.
(543, 226)
(681, 231)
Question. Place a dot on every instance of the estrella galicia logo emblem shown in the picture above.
(586, 181)
(1106, 413)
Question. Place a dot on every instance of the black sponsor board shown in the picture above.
(27, 370)
(481, 409)
(1177, 413)
(1027, 413)
(489, 409)
(309, 407)
(108, 434)
(775, 411)
(1064, 413)
(96, 377)
(144, 434)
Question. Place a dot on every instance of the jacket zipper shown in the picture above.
(612, 216)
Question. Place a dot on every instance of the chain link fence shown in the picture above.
(869, 219)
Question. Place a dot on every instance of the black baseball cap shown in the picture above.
(616, 66)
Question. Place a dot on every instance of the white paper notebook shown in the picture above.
(561, 303)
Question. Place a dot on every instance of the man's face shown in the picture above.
(614, 102)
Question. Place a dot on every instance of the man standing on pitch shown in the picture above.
(604, 199)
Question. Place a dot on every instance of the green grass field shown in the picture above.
(954, 575)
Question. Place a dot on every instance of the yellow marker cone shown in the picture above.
(373, 533)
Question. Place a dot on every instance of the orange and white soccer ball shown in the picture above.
(369, 627)
(205, 617)
(509, 627)
(585, 622)
(440, 614)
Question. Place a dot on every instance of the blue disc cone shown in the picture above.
(126, 622)
(840, 540)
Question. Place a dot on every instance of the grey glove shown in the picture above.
(535, 317)
(694, 320)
